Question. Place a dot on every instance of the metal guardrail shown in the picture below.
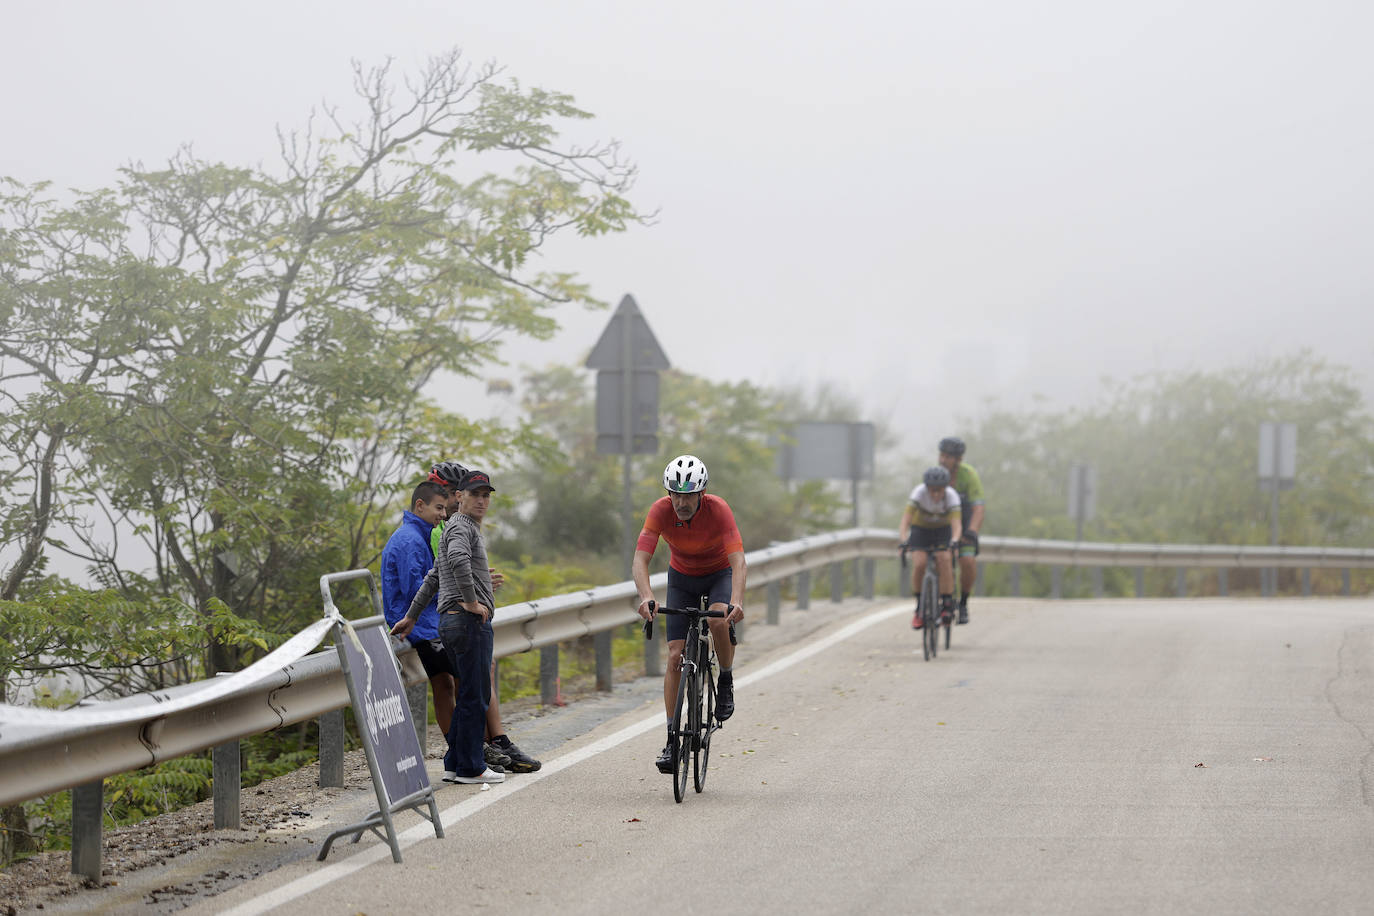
(37, 760)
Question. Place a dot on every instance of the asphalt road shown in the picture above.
(1091, 757)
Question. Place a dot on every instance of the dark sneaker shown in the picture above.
(963, 612)
(520, 762)
(665, 759)
(725, 696)
(495, 757)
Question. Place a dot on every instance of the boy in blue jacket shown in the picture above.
(406, 560)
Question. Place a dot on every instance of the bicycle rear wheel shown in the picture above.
(930, 612)
(707, 703)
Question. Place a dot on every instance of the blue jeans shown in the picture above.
(468, 642)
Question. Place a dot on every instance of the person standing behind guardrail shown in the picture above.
(406, 560)
(466, 606)
(969, 486)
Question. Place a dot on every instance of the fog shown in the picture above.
(924, 205)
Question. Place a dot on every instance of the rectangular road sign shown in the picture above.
(1278, 454)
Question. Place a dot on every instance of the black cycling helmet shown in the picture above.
(448, 473)
(952, 445)
(936, 477)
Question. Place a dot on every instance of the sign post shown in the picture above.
(1278, 464)
(1082, 494)
(627, 358)
(380, 708)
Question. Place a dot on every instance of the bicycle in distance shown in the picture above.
(928, 600)
(694, 712)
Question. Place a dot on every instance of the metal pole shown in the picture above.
(601, 642)
(87, 805)
(332, 749)
(225, 767)
(1274, 513)
(548, 674)
(804, 590)
(774, 601)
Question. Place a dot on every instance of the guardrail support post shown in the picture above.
(1181, 583)
(868, 573)
(418, 696)
(837, 582)
(1056, 582)
(601, 642)
(332, 749)
(87, 810)
(804, 589)
(226, 773)
(1098, 588)
(1345, 582)
(548, 673)
(1015, 580)
(774, 601)
(1140, 582)
(1307, 583)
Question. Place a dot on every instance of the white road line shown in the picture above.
(470, 806)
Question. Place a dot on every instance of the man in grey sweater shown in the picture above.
(466, 605)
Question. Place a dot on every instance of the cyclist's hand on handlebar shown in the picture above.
(648, 609)
(734, 613)
(970, 538)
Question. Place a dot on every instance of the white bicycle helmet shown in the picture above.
(685, 474)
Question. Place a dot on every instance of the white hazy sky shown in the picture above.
(911, 200)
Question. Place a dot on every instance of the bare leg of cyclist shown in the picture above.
(671, 678)
(944, 567)
(918, 572)
(725, 658)
(672, 675)
(968, 576)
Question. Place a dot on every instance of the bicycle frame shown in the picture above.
(928, 597)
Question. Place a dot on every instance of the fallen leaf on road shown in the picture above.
(1196, 765)
(1261, 759)
(633, 820)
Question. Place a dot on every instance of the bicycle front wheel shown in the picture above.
(706, 702)
(682, 733)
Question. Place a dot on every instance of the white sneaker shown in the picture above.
(488, 776)
(450, 775)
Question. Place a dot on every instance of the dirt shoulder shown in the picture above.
(166, 863)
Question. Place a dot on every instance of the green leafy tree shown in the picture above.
(1176, 459)
(242, 353)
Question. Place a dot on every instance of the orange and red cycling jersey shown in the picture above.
(696, 548)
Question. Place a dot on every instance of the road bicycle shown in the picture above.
(695, 709)
(928, 601)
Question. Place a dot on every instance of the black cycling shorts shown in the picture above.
(433, 657)
(930, 537)
(687, 591)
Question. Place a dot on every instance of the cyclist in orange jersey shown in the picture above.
(705, 559)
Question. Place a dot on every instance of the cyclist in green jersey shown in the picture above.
(965, 480)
